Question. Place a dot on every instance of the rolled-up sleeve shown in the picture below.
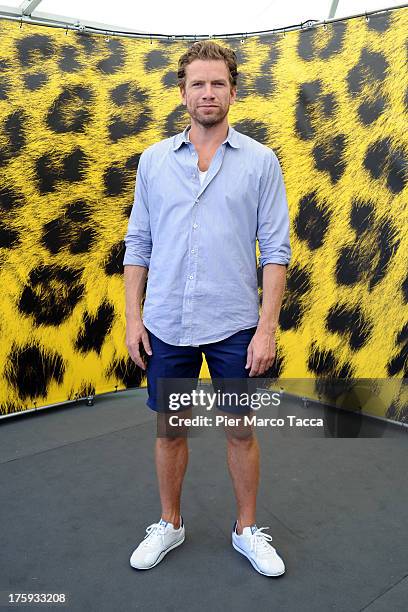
(138, 239)
(273, 215)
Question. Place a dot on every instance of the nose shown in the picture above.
(208, 93)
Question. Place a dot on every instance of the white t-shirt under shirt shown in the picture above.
(201, 175)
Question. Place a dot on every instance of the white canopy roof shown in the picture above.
(208, 17)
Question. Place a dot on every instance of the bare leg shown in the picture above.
(171, 464)
(243, 464)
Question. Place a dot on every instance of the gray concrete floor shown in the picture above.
(78, 489)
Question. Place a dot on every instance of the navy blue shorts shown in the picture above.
(226, 359)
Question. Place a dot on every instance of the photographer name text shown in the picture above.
(290, 420)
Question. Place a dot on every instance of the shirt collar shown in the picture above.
(183, 137)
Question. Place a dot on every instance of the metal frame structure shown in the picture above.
(28, 6)
(23, 13)
(333, 9)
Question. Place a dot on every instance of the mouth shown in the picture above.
(209, 106)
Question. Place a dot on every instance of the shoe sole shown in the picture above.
(162, 554)
(237, 548)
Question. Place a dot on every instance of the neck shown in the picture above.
(202, 136)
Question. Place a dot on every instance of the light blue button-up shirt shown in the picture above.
(199, 241)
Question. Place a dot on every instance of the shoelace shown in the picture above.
(259, 541)
(152, 532)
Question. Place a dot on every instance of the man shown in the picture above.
(202, 197)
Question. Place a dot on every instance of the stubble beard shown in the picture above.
(209, 121)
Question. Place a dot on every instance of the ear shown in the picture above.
(233, 95)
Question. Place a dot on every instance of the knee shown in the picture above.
(172, 442)
(242, 439)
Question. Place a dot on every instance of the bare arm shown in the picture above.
(135, 279)
(273, 286)
(262, 348)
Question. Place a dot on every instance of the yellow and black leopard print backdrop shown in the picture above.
(76, 112)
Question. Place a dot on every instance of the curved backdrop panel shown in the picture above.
(77, 110)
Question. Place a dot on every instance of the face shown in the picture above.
(208, 93)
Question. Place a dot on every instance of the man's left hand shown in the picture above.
(261, 352)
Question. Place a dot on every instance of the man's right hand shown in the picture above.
(136, 333)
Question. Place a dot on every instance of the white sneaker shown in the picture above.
(253, 543)
(160, 538)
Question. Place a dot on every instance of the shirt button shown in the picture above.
(195, 225)
(191, 277)
(192, 250)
